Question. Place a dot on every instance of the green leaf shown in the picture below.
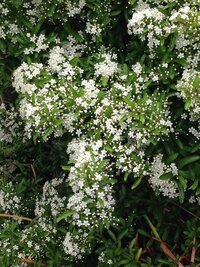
(171, 158)
(108, 148)
(3, 47)
(115, 12)
(66, 168)
(179, 143)
(35, 138)
(132, 2)
(51, 10)
(182, 62)
(26, 23)
(38, 26)
(188, 103)
(132, 243)
(122, 234)
(112, 235)
(187, 160)
(195, 184)
(171, 72)
(143, 233)
(166, 176)
(181, 193)
(65, 215)
(142, 118)
(123, 262)
(104, 80)
(182, 181)
(173, 41)
(126, 176)
(47, 134)
(136, 183)
(101, 165)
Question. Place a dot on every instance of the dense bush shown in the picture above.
(99, 133)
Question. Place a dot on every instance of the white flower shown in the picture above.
(106, 68)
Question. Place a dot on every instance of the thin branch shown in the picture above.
(21, 218)
(193, 250)
(191, 213)
(33, 170)
(32, 262)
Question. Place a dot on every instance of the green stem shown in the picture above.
(152, 227)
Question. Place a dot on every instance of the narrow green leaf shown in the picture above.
(166, 176)
(115, 12)
(182, 181)
(66, 168)
(136, 183)
(126, 176)
(188, 104)
(132, 243)
(112, 235)
(153, 228)
(101, 165)
(194, 185)
(143, 233)
(181, 193)
(108, 148)
(171, 158)
(187, 160)
(65, 215)
(122, 234)
(104, 80)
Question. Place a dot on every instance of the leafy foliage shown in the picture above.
(99, 133)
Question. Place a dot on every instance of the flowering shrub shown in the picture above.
(99, 133)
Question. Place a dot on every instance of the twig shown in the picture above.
(193, 250)
(33, 170)
(32, 262)
(191, 213)
(21, 218)
(153, 228)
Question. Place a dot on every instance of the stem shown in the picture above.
(32, 262)
(191, 213)
(152, 227)
(15, 217)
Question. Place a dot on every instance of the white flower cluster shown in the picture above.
(153, 24)
(7, 167)
(43, 98)
(166, 187)
(195, 132)
(18, 21)
(10, 124)
(9, 201)
(73, 48)
(194, 200)
(38, 44)
(107, 67)
(35, 9)
(146, 19)
(51, 201)
(93, 28)
(30, 245)
(91, 184)
(189, 87)
(91, 203)
(104, 260)
(112, 118)
(186, 22)
(74, 245)
(55, 99)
